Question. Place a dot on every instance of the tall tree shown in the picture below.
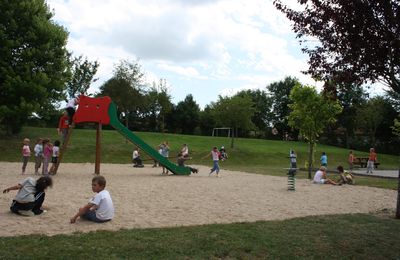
(235, 112)
(358, 40)
(126, 88)
(278, 113)
(33, 61)
(262, 106)
(187, 114)
(310, 114)
(82, 75)
(158, 103)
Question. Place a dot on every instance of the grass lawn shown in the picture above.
(358, 236)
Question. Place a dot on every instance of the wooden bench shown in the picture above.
(363, 161)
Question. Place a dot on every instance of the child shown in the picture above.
(54, 158)
(165, 153)
(26, 153)
(215, 157)
(350, 160)
(181, 162)
(371, 160)
(345, 177)
(137, 161)
(321, 178)
(47, 153)
(222, 154)
(71, 109)
(63, 125)
(324, 159)
(30, 196)
(38, 154)
(293, 159)
(100, 208)
(185, 150)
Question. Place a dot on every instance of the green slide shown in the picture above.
(179, 170)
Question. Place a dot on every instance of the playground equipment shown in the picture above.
(292, 171)
(104, 112)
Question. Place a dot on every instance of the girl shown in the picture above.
(38, 154)
(26, 153)
(30, 196)
(215, 157)
(47, 153)
(54, 158)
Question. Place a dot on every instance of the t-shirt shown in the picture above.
(28, 190)
(72, 102)
(215, 156)
(324, 160)
(185, 151)
(135, 154)
(56, 149)
(164, 150)
(26, 151)
(63, 123)
(38, 150)
(105, 206)
(372, 156)
(319, 175)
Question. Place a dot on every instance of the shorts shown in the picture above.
(91, 216)
(54, 159)
(321, 181)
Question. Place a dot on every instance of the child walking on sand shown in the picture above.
(38, 154)
(215, 157)
(100, 208)
(26, 153)
(54, 158)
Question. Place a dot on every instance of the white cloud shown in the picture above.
(214, 44)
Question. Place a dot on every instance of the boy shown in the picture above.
(100, 208)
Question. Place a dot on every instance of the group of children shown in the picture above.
(183, 156)
(45, 153)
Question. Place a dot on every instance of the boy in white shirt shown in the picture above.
(100, 208)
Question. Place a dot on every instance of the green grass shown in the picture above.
(250, 155)
(358, 236)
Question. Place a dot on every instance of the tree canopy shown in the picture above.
(358, 40)
(33, 61)
(310, 114)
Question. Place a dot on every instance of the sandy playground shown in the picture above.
(145, 199)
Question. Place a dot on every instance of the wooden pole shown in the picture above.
(98, 149)
(398, 198)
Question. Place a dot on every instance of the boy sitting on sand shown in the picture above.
(100, 208)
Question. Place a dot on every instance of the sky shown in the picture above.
(205, 48)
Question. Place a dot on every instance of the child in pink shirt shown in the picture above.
(47, 154)
(26, 153)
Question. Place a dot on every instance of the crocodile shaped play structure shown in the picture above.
(102, 110)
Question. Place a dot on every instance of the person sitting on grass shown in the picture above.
(321, 178)
(100, 208)
(345, 177)
(30, 196)
(181, 162)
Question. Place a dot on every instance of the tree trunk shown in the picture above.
(310, 158)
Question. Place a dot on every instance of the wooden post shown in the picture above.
(398, 198)
(98, 149)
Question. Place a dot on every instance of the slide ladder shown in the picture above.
(63, 149)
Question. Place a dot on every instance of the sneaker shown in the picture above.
(27, 213)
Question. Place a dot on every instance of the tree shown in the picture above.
(310, 114)
(262, 106)
(187, 115)
(235, 112)
(279, 97)
(82, 71)
(33, 61)
(158, 104)
(125, 88)
(358, 40)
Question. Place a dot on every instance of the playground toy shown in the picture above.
(103, 111)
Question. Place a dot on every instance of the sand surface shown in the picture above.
(144, 199)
